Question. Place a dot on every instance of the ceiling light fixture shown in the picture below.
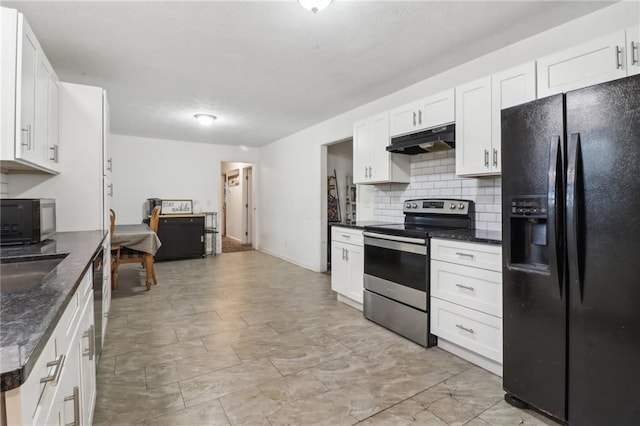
(314, 6)
(205, 119)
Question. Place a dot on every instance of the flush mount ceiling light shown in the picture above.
(205, 119)
(314, 5)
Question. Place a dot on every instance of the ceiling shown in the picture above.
(267, 68)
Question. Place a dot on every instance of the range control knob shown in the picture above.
(452, 206)
(461, 206)
(407, 206)
(414, 206)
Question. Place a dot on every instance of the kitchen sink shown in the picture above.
(24, 276)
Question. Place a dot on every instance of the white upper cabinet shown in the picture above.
(478, 117)
(372, 163)
(429, 112)
(509, 88)
(29, 117)
(473, 128)
(633, 50)
(593, 62)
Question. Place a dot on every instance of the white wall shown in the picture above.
(291, 168)
(146, 168)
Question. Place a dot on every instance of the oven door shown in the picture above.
(397, 268)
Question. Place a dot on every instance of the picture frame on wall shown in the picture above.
(176, 207)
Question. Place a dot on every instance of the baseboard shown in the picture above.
(472, 357)
(350, 302)
(288, 259)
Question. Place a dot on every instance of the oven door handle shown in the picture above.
(392, 244)
(395, 238)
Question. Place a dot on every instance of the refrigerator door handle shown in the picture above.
(553, 207)
(573, 203)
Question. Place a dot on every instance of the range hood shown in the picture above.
(430, 140)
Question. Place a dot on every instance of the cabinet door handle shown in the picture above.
(110, 186)
(91, 335)
(420, 117)
(365, 171)
(486, 158)
(618, 52)
(54, 153)
(53, 378)
(465, 287)
(345, 236)
(634, 52)
(370, 173)
(346, 257)
(470, 256)
(495, 157)
(202, 238)
(463, 328)
(109, 164)
(28, 142)
(76, 406)
(414, 119)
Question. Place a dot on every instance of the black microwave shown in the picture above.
(27, 220)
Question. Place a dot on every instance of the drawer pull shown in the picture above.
(91, 335)
(76, 406)
(345, 236)
(470, 256)
(466, 287)
(53, 378)
(463, 328)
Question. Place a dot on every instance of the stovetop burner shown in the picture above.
(429, 215)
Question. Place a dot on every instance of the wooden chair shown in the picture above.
(126, 255)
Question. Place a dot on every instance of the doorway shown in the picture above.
(238, 206)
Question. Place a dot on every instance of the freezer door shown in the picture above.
(603, 247)
(534, 302)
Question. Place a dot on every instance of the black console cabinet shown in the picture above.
(181, 237)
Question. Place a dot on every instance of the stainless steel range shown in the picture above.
(396, 265)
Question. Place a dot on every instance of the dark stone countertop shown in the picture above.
(29, 317)
(360, 224)
(471, 235)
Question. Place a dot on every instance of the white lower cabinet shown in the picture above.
(466, 301)
(61, 388)
(347, 265)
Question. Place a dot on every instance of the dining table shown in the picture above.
(139, 237)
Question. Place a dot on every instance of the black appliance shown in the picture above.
(97, 263)
(27, 220)
(571, 238)
(430, 140)
(396, 265)
(149, 205)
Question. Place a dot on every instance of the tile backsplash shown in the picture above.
(433, 176)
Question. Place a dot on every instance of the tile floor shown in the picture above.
(246, 338)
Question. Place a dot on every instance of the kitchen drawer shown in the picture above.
(347, 235)
(476, 331)
(474, 288)
(486, 256)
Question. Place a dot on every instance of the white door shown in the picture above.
(339, 268)
(437, 110)
(473, 128)
(403, 119)
(590, 63)
(41, 127)
(509, 88)
(355, 285)
(25, 148)
(362, 135)
(53, 151)
(380, 158)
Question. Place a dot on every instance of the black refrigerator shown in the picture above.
(571, 254)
